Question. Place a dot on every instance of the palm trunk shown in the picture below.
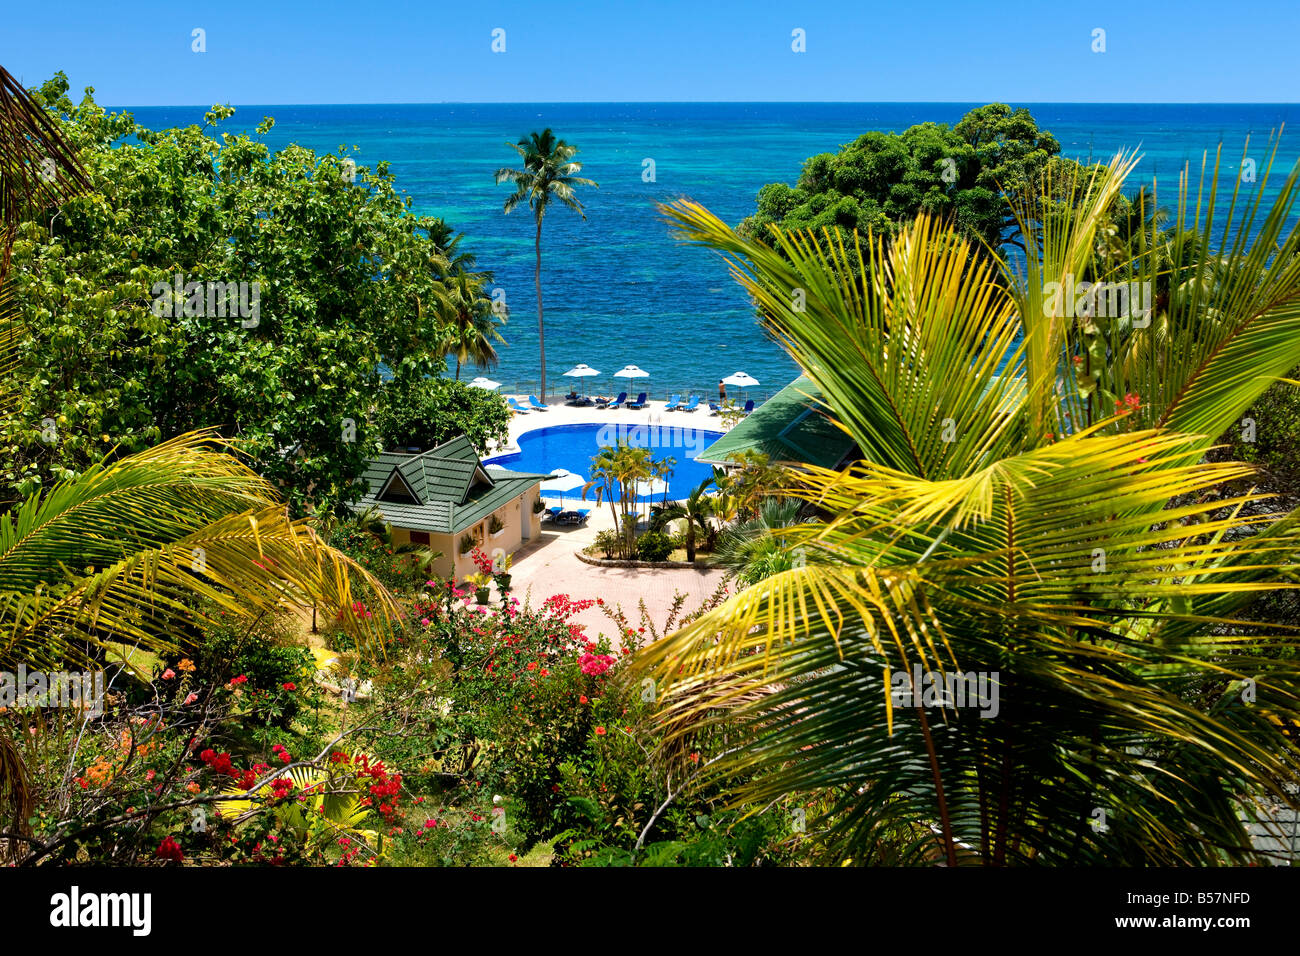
(541, 333)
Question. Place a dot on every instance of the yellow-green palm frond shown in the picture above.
(124, 552)
(906, 350)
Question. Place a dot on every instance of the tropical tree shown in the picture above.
(142, 549)
(472, 324)
(548, 175)
(1010, 542)
(759, 547)
(695, 510)
(615, 470)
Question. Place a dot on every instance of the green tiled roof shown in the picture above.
(452, 488)
(788, 427)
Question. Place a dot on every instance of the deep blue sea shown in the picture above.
(618, 288)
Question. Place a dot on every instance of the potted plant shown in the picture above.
(496, 527)
(466, 543)
(538, 506)
(501, 574)
(480, 584)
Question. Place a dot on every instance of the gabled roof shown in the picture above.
(789, 427)
(451, 488)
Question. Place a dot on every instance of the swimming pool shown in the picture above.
(571, 447)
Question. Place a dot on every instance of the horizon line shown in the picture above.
(726, 103)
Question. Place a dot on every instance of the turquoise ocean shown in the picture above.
(619, 289)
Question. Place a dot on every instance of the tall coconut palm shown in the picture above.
(1067, 560)
(549, 174)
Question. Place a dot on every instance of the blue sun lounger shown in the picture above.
(749, 407)
(616, 403)
(515, 406)
(639, 403)
(672, 403)
(537, 406)
(693, 404)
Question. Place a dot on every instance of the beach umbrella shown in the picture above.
(482, 382)
(741, 380)
(581, 371)
(631, 371)
(561, 481)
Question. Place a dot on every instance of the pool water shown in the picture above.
(571, 447)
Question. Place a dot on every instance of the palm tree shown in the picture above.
(472, 324)
(549, 174)
(695, 510)
(994, 535)
(615, 470)
(759, 547)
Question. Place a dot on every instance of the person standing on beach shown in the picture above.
(722, 390)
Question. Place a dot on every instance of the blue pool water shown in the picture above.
(571, 447)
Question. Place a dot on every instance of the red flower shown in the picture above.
(582, 699)
(513, 858)
(169, 849)
(600, 731)
(290, 685)
(241, 679)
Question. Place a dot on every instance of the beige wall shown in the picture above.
(513, 514)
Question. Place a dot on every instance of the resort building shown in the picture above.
(447, 499)
(790, 427)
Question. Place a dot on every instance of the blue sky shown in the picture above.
(139, 53)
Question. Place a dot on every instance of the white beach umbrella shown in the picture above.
(581, 371)
(562, 481)
(741, 380)
(631, 371)
(482, 382)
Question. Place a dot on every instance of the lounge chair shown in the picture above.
(622, 397)
(672, 403)
(573, 517)
(749, 407)
(578, 401)
(693, 404)
(715, 408)
(639, 403)
(537, 406)
(515, 406)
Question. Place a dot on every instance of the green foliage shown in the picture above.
(608, 541)
(425, 412)
(347, 276)
(654, 546)
(882, 179)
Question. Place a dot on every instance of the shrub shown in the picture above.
(608, 541)
(654, 546)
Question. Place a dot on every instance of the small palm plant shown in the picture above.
(1018, 626)
(695, 510)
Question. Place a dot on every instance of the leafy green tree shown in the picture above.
(427, 412)
(549, 174)
(472, 322)
(113, 361)
(882, 179)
